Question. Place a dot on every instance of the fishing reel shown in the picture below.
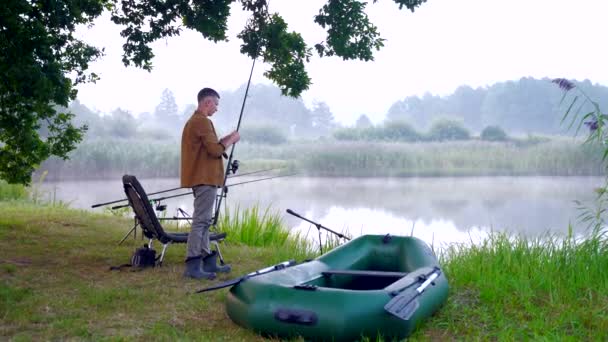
(160, 207)
(234, 166)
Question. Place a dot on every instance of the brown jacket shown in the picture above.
(201, 157)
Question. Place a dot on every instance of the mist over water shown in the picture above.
(438, 210)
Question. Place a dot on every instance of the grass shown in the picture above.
(12, 191)
(515, 288)
(530, 156)
(55, 283)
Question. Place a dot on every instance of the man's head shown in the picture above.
(208, 100)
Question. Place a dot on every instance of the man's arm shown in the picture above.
(206, 133)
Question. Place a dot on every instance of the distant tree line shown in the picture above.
(525, 106)
(401, 131)
(269, 118)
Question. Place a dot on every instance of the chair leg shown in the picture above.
(162, 254)
(133, 230)
(219, 253)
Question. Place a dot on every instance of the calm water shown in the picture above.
(438, 210)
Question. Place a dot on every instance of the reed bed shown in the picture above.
(557, 157)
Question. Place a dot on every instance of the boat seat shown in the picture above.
(365, 273)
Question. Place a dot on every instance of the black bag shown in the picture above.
(143, 257)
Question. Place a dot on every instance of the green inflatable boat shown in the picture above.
(373, 285)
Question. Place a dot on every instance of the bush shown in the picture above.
(263, 135)
(355, 134)
(397, 131)
(493, 133)
(391, 131)
(447, 129)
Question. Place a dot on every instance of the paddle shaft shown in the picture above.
(235, 281)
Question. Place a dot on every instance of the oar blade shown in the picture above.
(403, 305)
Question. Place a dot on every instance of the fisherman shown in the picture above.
(202, 169)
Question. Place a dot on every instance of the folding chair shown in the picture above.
(150, 224)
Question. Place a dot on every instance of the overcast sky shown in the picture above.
(444, 44)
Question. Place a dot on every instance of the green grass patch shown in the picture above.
(55, 282)
(12, 191)
(516, 288)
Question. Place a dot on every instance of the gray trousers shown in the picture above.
(198, 239)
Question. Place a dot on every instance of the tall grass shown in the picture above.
(518, 288)
(563, 157)
(257, 228)
(12, 191)
(454, 159)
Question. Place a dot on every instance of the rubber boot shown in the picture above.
(193, 269)
(210, 264)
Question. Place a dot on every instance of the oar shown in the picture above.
(404, 304)
(235, 281)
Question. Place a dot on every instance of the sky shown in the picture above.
(442, 45)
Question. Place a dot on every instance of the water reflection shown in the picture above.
(436, 232)
(441, 210)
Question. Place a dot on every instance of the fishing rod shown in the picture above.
(124, 199)
(230, 166)
(163, 191)
(258, 180)
(191, 192)
(254, 172)
(319, 227)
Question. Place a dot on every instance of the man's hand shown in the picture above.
(230, 139)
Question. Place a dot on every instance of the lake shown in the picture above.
(437, 210)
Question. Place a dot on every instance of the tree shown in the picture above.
(466, 103)
(121, 124)
(322, 119)
(265, 106)
(446, 129)
(363, 122)
(493, 133)
(41, 61)
(38, 54)
(167, 108)
(166, 114)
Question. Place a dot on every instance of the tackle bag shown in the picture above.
(143, 257)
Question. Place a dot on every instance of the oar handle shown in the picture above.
(272, 268)
(232, 282)
(427, 282)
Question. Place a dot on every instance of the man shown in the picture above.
(202, 169)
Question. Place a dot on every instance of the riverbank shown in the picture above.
(55, 284)
(557, 156)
